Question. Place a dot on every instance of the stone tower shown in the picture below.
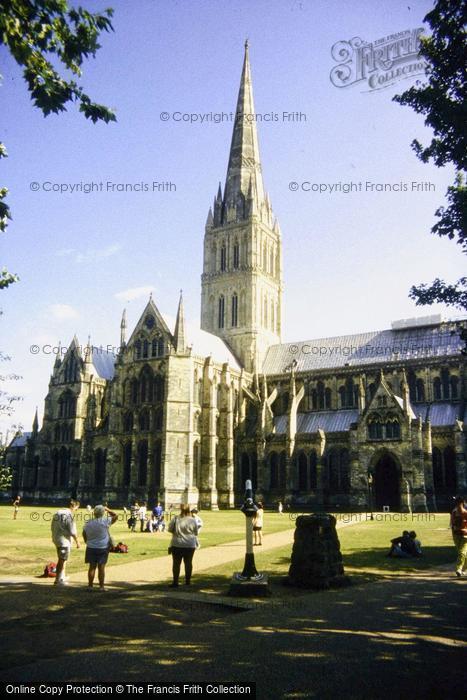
(242, 272)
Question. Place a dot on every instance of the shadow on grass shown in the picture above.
(375, 558)
(359, 638)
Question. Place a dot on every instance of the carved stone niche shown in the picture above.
(316, 556)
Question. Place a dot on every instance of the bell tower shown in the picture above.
(242, 271)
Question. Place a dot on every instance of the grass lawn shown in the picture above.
(364, 546)
(27, 544)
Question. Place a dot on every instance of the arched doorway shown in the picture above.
(386, 483)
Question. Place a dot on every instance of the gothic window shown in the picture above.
(348, 394)
(236, 255)
(338, 464)
(142, 463)
(158, 419)
(157, 463)
(371, 390)
(444, 469)
(134, 391)
(320, 397)
(327, 398)
(138, 350)
(144, 420)
(454, 386)
(154, 347)
(127, 464)
(375, 430)
(437, 388)
(57, 433)
(302, 471)
(282, 470)
(445, 384)
(412, 382)
(128, 422)
(271, 261)
(71, 370)
(234, 310)
(419, 390)
(313, 469)
(274, 470)
(221, 312)
(158, 388)
(393, 430)
(223, 258)
(145, 348)
(213, 258)
(99, 467)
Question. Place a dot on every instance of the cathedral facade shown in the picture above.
(354, 422)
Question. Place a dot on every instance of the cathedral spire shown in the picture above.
(179, 333)
(35, 423)
(244, 161)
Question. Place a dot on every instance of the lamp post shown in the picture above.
(249, 582)
(370, 494)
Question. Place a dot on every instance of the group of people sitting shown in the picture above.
(405, 546)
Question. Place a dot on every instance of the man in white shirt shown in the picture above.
(97, 537)
(63, 531)
(142, 516)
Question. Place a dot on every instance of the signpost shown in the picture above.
(249, 582)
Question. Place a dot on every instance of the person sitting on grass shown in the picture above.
(401, 547)
(416, 545)
(97, 537)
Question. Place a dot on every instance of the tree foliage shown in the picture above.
(442, 99)
(41, 34)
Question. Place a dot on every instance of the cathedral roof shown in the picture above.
(19, 440)
(440, 414)
(103, 362)
(376, 347)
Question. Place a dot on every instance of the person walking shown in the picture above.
(258, 525)
(63, 531)
(16, 504)
(98, 541)
(459, 534)
(184, 531)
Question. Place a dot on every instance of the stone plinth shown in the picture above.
(316, 556)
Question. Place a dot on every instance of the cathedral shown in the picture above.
(360, 422)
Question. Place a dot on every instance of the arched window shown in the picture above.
(419, 390)
(251, 419)
(348, 394)
(127, 464)
(142, 463)
(338, 464)
(313, 461)
(327, 398)
(450, 476)
(375, 428)
(274, 470)
(454, 386)
(221, 312)
(145, 348)
(236, 255)
(100, 458)
(371, 390)
(138, 350)
(393, 430)
(223, 258)
(437, 389)
(134, 391)
(128, 422)
(302, 471)
(158, 388)
(445, 383)
(158, 418)
(213, 258)
(282, 470)
(234, 314)
(144, 420)
(157, 464)
(438, 471)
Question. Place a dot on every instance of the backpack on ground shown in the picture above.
(120, 548)
(50, 570)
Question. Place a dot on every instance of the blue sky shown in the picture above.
(349, 259)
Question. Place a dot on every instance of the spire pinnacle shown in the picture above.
(244, 160)
(123, 329)
(35, 423)
(179, 333)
